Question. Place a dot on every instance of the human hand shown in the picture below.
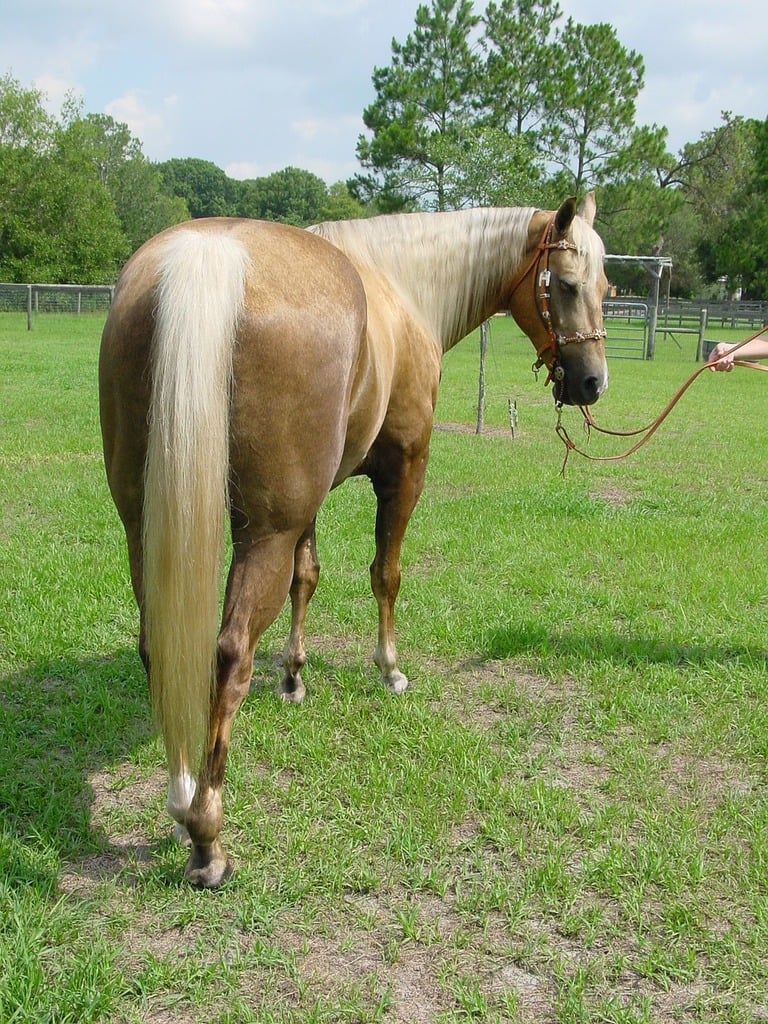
(720, 357)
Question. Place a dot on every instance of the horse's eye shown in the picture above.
(568, 287)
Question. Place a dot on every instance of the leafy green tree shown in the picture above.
(682, 231)
(24, 123)
(141, 203)
(486, 166)
(589, 125)
(136, 186)
(381, 194)
(57, 220)
(206, 189)
(685, 207)
(520, 70)
(634, 217)
(425, 98)
(86, 241)
(108, 143)
(751, 222)
(248, 200)
(25, 137)
(291, 195)
(735, 242)
(634, 210)
(341, 204)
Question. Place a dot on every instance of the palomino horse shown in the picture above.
(246, 369)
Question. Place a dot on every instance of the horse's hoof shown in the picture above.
(209, 877)
(396, 682)
(208, 866)
(292, 690)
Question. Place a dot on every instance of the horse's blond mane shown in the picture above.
(450, 264)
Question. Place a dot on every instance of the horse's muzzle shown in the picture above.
(574, 390)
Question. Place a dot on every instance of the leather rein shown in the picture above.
(540, 280)
(650, 429)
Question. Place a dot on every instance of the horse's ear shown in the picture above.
(565, 215)
(588, 208)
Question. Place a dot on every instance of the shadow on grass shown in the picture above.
(629, 650)
(61, 723)
(74, 735)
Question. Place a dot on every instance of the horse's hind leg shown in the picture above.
(256, 591)
(306, 571)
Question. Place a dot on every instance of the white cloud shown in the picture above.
(317, 128)
(151, 125)
(55, 90)
(335, 8)
(243, 170)
(227, 24)
(307, 129)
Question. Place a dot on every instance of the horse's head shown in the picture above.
(557, 300)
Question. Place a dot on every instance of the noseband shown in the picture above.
(541, 300)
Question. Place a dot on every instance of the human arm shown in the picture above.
(722, 355)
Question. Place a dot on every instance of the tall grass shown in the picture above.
(564, 819)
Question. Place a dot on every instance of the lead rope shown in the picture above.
(650, 429)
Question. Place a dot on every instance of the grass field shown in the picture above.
(565, 819)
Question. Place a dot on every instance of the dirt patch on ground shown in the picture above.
(466, 428)
(612, 494)
(127, 851)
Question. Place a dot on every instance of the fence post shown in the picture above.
(481, 394)
(702, 332)
(29, 307)
(653, 309)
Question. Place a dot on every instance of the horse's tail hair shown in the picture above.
(200, 296)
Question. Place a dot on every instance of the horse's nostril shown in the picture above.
(591, 389)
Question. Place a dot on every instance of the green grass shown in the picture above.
(564, 819)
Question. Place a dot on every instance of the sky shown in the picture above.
(258, 85)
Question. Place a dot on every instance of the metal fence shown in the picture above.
(633, 329)
(627, 329)
(32, 299)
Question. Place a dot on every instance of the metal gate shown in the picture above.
(626, 325)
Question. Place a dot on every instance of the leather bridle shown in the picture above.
(541, 278)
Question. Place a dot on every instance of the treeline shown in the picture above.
(510, 107)
(291, 195)
(78, 196)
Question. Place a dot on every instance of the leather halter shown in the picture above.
(541, 300)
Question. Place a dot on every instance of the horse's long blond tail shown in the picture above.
(199, 300)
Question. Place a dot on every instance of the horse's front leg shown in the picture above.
(397, 490)
(306, 572)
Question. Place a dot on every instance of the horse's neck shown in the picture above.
(451, 267)
(455, 276)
